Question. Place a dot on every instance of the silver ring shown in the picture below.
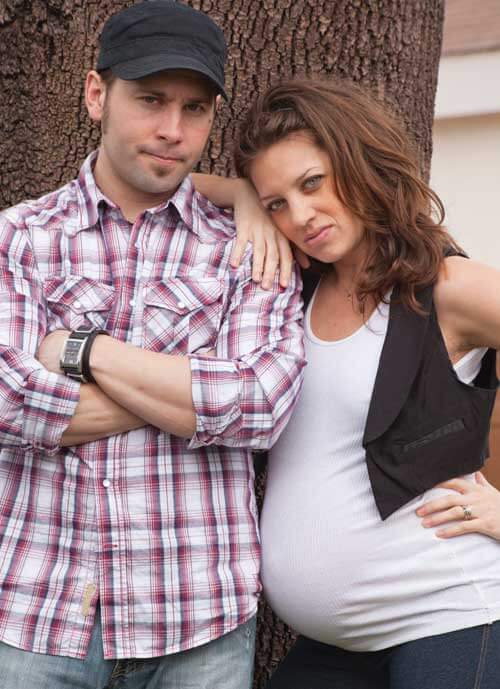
(467, 512)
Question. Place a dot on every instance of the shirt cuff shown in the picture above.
(50, 401)
(216, 390)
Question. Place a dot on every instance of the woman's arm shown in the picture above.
(467, 298)
(481, 497)
(270, 248)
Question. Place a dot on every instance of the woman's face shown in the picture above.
(294, 181)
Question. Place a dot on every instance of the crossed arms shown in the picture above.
(240, 395)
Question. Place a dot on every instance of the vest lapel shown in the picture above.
(399, 362)
(310, 279)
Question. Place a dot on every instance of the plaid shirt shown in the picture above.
(162, 531)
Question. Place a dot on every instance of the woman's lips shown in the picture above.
(318, 236)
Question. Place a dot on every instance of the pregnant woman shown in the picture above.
(401, 331)
(400, 337)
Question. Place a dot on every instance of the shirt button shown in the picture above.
(106, 483)
(77, 304)
(181, 305)
(132, 302)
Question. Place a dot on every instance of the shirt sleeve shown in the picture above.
(244, 396)
(36, 406)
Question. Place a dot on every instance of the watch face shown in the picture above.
(72, 351)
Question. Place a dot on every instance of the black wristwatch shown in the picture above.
(75, 354)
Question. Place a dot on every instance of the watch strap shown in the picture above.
(79, 369)
(86, 372)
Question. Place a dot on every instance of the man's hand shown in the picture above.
(49, 352)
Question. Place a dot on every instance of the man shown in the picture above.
(128, 523)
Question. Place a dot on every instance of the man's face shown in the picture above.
(154, 131)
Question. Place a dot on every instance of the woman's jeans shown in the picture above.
(225, 663)
(466, 659)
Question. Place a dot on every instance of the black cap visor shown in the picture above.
(139, 67)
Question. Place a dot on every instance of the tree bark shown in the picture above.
(390, 46)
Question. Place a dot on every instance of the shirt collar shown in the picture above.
(93, 202)
(185, 202)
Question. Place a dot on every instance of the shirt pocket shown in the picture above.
(75, 301)
(182, 315)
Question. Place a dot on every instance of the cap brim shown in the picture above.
(151, 64)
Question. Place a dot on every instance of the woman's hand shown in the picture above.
(271, 249)
(480, 497)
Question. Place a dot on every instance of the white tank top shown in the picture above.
(331, 568)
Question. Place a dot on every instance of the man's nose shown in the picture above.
(170, 125)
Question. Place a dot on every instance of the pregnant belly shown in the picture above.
(335, 572)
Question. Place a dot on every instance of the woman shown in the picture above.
(400, 336)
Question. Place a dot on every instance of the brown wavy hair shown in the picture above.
(376, 175)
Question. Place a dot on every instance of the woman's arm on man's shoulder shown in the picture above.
(271, 250)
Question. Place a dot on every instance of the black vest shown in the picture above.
(424, 426)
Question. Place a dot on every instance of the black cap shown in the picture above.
(162, 34)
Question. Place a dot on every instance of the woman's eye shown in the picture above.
(274, 206)
(312, 182)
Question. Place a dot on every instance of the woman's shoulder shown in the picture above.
(467, 300)
(462, 279)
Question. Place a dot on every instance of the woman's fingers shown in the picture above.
(258, 257)
(480, 497)
(439, 504)
(452, 514)
(285, 259)
(271, 263)
(460, 485)
(482, 480)
(270, 248)
(458, 529)
(239, 246)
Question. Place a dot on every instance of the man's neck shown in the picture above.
(132, 203)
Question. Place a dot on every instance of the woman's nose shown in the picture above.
(301, 212)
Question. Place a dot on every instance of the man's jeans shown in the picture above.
(225, 663)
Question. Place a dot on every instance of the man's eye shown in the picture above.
(195, 108)
(312, 182)
(150, 100)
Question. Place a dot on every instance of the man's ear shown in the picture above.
(95, 95)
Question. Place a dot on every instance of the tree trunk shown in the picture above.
(46, 46)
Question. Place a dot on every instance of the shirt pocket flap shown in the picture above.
(183, 295)
(80, 294)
